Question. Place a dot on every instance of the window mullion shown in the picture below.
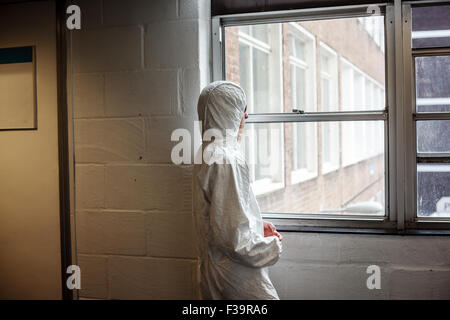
(432, 116)
(317, 116)
(409, 124)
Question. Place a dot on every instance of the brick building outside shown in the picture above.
(315, 66)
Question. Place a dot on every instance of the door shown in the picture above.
(30, 257)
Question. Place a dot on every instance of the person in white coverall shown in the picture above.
(235, 244)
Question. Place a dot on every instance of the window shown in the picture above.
(255, 62)
(302, 68)
(360, 92)
(345, 146)
(293, 163)
(430, 55)
(329, 103)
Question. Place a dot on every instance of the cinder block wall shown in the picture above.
(137, 69)
(333, 266)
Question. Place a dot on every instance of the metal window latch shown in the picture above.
(298, 111)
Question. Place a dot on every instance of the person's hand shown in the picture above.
(270, 230)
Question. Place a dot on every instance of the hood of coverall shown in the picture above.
(221, 107)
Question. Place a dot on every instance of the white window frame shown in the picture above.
(265, 185)
(333, 95)
(358, 130)
(400, 189)
(297, 32)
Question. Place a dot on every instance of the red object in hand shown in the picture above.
(270, 230)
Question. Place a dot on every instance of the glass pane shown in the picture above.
(244, 72)
(369, 100)
(256, 65)
(329, 76)
(297, 48)
(298, 88)
(260, 83)
(260, 32)
(330, 146)
(285, 58)
(431, 26)
(356, 89)
(262, 145)
(244, 29)
(433, 136)
(325, 94)
(325, 64)
(433, 190)
(358, 92)
(299, 169)
(433, 84)
(304, 147)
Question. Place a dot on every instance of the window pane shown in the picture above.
(297, 48)
(290, 60)
(289, 177)
(244, 29)
(298, 87)
(260, 82)
(253, 60)
(244, 71)
(325, 94)
(356, 95)
(433, 190)
(431, 26)
(330, 146)
(433, 136)
(262, 145)
(304, 148)
(259, 31)
(433, 84)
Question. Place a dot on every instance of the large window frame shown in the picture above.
(399, 118)
(411, 116)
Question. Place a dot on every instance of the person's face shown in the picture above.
(241, 126)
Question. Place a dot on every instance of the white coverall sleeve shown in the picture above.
(232, 224)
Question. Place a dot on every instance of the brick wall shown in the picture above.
(138, 68)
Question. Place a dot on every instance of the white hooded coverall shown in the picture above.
(234, 253)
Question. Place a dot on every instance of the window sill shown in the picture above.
(264, 186)
(302, 175)
(328, 168)
(373, 231)
(350, 163)
(351, 225)
(357, 161)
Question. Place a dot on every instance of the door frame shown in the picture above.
(63, 146)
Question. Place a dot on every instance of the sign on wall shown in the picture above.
(17, 88)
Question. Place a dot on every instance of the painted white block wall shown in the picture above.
(138, 68)
(333, 266)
